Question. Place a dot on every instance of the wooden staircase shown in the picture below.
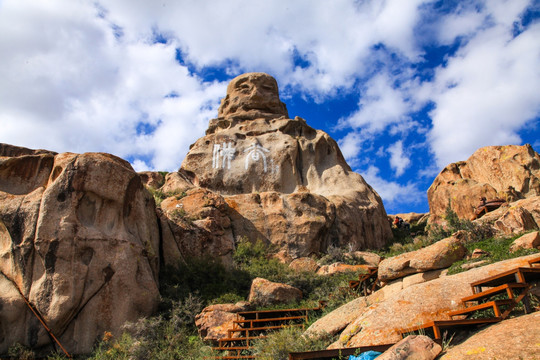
(514, 284)
(254, 325)
(367, 283)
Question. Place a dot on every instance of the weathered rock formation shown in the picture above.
(79, 239)
(283, 182)
(508, 172)
(440, 255)
(512, 339)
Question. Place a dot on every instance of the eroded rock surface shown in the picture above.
(512, 339)
(214, 321)
(78, 236)
(508, 172)
(285, 183)
(417, 347)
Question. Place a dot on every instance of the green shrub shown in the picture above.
(279, 344)
(19, 351)
(335, 254)
(497, 248)
(454, 224)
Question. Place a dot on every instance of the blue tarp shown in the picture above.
(368, 355)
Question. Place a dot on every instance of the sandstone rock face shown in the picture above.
(512, 339)
(440, 255)
(529, 241)
(417, 347)
(152, 179)
(78, 236)
(285, 182)
(195, 224)
(516, 220)
(264, 292)
(508, 172)
(370, 258)
(414, 305)
(214, 321)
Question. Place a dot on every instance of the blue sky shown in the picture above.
(405, 87)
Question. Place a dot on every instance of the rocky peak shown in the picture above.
(250, 96)
(284, 181)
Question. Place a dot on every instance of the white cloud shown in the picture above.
(71, 85)
(398, 159)
(380, 105)
(486, 93)
(393, 193)
(87, 76)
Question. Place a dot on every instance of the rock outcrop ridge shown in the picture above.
(78, 236)
(507, 172)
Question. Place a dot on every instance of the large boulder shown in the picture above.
(379, 323)
(285, 182)
(413, 347)
(508, 172)
(440, 255)
(528, 241)
(512, 339)
(265, 292)
(78, 236)
(338, 319)
(215, 321)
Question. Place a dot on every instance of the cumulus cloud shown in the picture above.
(398, 159)
(393, 193)
(106, 75)
(73, 82)
(486, 93)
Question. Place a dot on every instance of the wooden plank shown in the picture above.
(493, 291)
(490, 304)
(437, 325)
(534, 262)
(520, 274)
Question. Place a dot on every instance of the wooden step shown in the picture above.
(491, 304)
(229, 348)
(250, 322)
(438, 325)
(245, 339)
(494, 291)
(517, 275)
(247, 331)
(262, 314)
(231, 357)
